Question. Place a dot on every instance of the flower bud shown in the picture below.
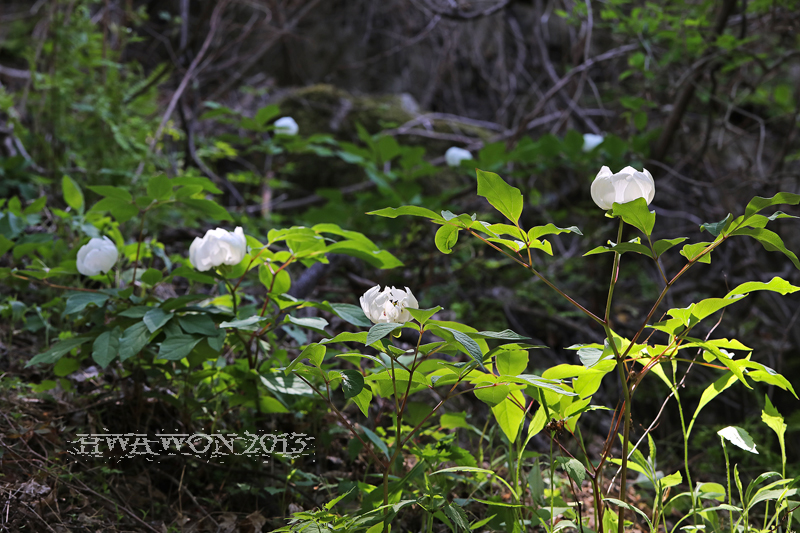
(625, 186)
(389, 305)
(96, 256)
(218, 247)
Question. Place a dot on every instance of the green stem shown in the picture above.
(728, 479)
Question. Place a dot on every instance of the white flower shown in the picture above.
(591, 141)
(625, 186)
(96, 256)
(389, 305)
(286, 126)
(455, 155)
(218, 247)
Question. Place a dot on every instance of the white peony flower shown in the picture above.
(286, 126)
(625, 186)
(96, 256)
(218, 247)
(591, 141)
(389, 305)
(455, 155)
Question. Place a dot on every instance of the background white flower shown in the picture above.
(96, 256)
(455, 155)
(591, 141)
(286, 126)
(218, 247)
(389, 305)
(625, 186)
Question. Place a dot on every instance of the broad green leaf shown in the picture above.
(159, 187)
(771, 242)
(637, 214)
(347, 336)
(543, 383)
(114, 192)
(78, 302)
(739, 437)
(775, 421)
(446, 238)
(106, 347)
(412, 210)
(5, 244)
(120, 209)
(501, 195)
(155, 318)
(315, 354)
(457, 515)
(57, 351)
(379, 331)
(152, 276)
(73, 196)
(208, 207)
(629, 507)
(492, 395)
(711, 392)
(376, 440)
(469, 345)
(692, 252)
(574, 469)
(200, 324)
(709, 306)
(314, 323)
(505, 335)
(715, 228)
(508, 413)
(538, 232)
(289, 385)
(362, 400)
(352, 314)
(511, 362)
(758, 203)
(665, 244)
(352, 383)
(423, 315)
(276, 284)
(133, 340)
(244, 323)
(671, 480)
(776, 284)
(177, 347)
(765, 374)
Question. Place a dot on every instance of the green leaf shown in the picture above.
(511, 362)
(243, 323)
(159, 187)
(73, 196)
(775, 421)
(738, 437)
(637, 214)
(352, 383)
(501, 195)
(758, 203)
(508, 413)
(711, 392)
(57, 351)
(771, 242)
(629, 507)
(457, 515)
(379, 331)
(200, 324)
(715, 228)
(376, 440)
(352, 314)
(505, 335)
(208, 207)
(281, 284)
(156, 318)
(106, 347)
(412, 210)
(120, 209)
(5, 244)
(538, 232)
(152, 276)
(776, 284)
(176, 347)
(266, 113)
(492, 395)
(78, 302)
(114, 192)
(663, 245)
(446, 238)
(573, 468)
(133, 340)
(313, 323)
(469, 345)
(423, 315)
(313, 352)
(621, 248)
(693, 251)
(362, 400)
